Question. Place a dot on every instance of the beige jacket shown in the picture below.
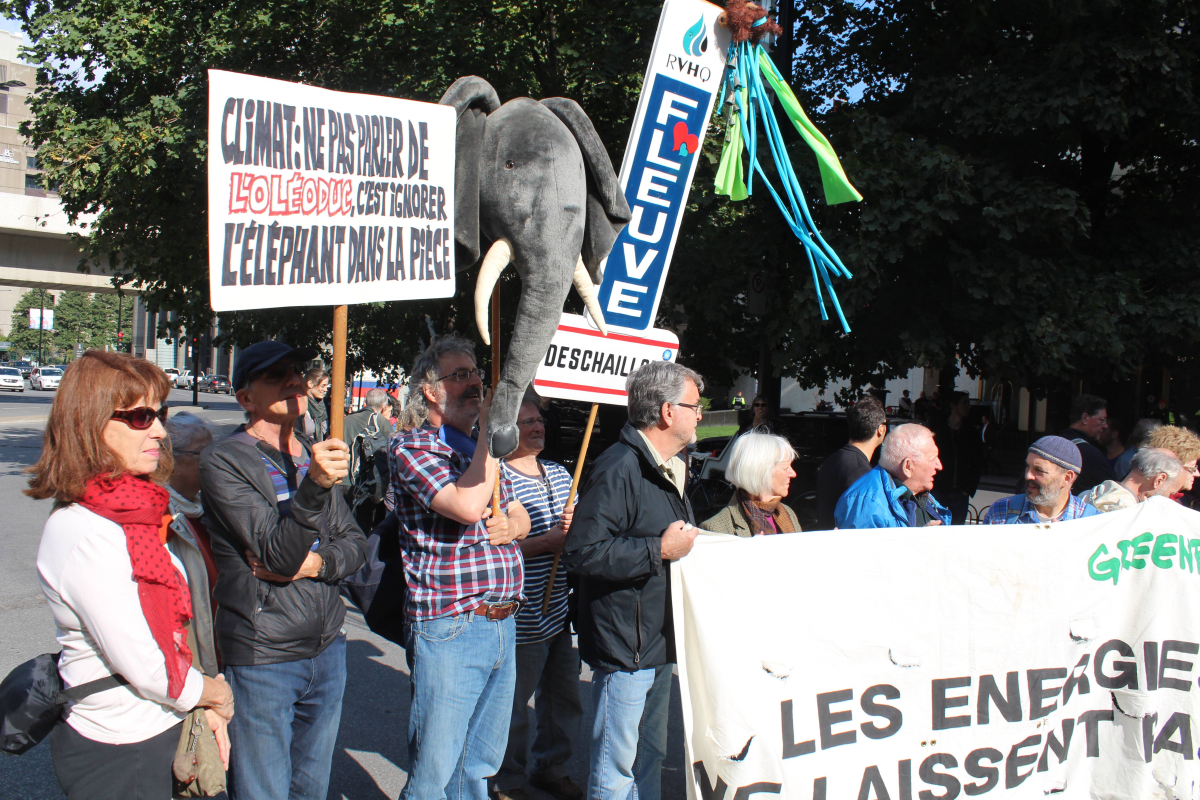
(732, 520)
(1109, 496)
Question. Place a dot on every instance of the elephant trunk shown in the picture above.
(537, 319)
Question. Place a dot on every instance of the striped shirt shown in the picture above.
(285, 490)
(451, 568)
(544, 499)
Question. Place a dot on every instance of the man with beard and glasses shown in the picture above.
(1052, 464)
(464, 573)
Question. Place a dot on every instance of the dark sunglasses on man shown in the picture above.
(142, 417)
(277, 372)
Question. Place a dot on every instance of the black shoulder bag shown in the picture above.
(32, 698)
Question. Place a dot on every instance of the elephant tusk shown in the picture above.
(499, 255)
(587, 290)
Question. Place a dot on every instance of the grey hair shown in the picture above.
(424, 371)
(1141, 432)
(185, 429)
(655, 383)
(1154, 461)
(376, 399)
(752, 459)
(904, 441)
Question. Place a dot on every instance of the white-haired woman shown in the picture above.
(760, 467)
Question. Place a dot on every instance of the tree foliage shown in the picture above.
(24, 339)
(1029, 168)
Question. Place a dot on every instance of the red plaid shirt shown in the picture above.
(450, 567)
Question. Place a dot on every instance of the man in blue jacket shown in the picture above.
(896, 494)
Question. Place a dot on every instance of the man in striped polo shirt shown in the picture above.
(547, 663)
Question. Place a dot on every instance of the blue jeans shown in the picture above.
(549, 672)
(629, 733)
(463, 670)
(284, 726)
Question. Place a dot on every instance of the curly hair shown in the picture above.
(740, 16)
(1180, 441)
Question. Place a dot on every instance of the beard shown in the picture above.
(1043, 495)
(463, 411)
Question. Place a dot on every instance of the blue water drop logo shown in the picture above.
(666, 355)
(695, 41)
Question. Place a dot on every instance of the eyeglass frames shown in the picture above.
(141, 418)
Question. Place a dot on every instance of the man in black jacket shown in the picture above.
(866, 422)
(632, 520)
(1089, 417)
(281, 540)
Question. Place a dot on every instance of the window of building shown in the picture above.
(31, 162)
(3, 103)
(31, 181)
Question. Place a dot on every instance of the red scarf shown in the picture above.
(138, 506)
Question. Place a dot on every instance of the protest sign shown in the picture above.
(583, 364)
(318, 197)
(679, 89)
(929, 664)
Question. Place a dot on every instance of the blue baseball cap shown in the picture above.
(264, 355)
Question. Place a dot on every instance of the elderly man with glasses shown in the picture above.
(463, 567)
(282, 540)
(633, 519)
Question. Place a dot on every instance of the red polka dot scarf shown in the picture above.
(138, 506)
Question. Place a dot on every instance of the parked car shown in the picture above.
(184, 379)
(11, 380)
(216, 384)
(171, 374)
(25, 367)
(44, 378)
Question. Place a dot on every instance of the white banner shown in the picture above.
(678, 92)
(326, 198)
(41, 319)
(583, 364)
(938, 663)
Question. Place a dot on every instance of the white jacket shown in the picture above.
(1109, 496)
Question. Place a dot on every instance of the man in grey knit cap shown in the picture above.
(1052, 464)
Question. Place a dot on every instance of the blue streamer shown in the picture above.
(743, 73)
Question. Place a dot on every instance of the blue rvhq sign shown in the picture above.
(671, 121)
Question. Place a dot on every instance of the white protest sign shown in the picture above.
(326, 198)
(938, 663)
(679, 89)
(583, 364)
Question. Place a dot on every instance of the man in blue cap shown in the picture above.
(282, 540)
(1052, 464)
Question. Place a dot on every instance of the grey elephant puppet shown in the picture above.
(533, 186)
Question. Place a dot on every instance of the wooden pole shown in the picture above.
(338, 380)
(496, 378)
(587, 439)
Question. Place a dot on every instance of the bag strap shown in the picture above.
(77, 693)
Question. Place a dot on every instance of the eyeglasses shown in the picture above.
(141, 418)
(277, 372)
(464, 374)
(696, 407)
(526, 423)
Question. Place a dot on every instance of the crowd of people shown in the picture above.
(206, 574)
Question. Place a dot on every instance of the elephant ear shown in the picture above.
(607, 210)
(473, 98)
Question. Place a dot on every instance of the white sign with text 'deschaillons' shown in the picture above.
(318, 197)
(583, 364)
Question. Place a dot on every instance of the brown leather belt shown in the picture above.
(497, 611)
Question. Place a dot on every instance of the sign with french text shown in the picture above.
(318, 197)
(679, 90)
(583, 364)
(1019, 661)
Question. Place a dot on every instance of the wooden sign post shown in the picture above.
(338, 380)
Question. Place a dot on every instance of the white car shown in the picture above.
(172, 374)
(184, 379)
(45, 378)
(11, 380)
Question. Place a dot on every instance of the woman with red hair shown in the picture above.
(120, 598)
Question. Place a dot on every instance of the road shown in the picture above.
(370, 758)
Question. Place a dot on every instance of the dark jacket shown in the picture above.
(614, 549)
(260, 622)
(837, 473)
(376, 431)
(1096, 469)
(961, 454)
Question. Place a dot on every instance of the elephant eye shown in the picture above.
(508, 165)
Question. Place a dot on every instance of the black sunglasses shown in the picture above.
(277, 372)
(141, 418)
